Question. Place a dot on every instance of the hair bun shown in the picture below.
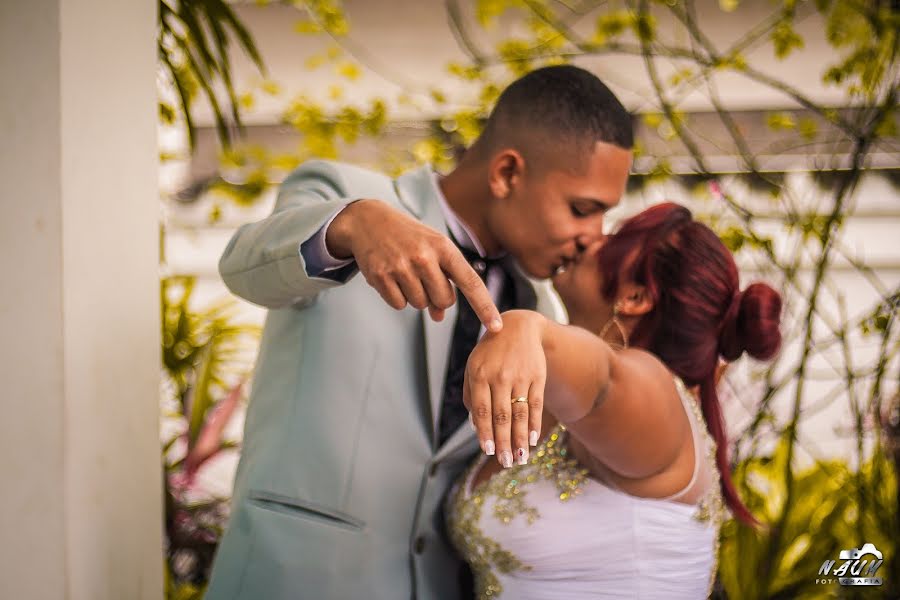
(752, 324)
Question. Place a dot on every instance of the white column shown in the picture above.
(80, 502)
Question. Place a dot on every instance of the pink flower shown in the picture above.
(209, 441)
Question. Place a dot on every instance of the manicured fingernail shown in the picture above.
(472, 422)
(496, 324)
(489, 447)
(532, 437)
(506, 459)
(522, 456)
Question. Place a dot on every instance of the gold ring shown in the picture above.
(520, 399)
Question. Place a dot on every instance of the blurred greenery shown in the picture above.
(205, 360)
(825, 518)
(193, 49)
(809, 514)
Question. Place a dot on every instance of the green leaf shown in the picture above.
(330, 15)
(468, 73)
(808, 128)
(728, 5)
(681, 75)
(203, 80)
(225, 69)
(348, 69)
(307, 27)
(644, 25)
(247, 100)
(653, 120)
(244, 193)
(223, 11)
(167, 113)
(184, 94)
(785, 39)
(611, 25)
(661, 171)
(516, 54)
(272, 88)
(780, 121)
(487, 11)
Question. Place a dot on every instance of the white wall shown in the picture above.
(81, 510)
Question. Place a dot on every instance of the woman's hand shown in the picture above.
(504, 366)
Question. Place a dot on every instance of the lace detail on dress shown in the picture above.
(550, 461)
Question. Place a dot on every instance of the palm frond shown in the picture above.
(193, 43)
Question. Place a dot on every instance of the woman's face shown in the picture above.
(579, 288)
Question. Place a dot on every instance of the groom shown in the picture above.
(356, 429)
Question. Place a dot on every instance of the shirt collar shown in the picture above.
(455, 224)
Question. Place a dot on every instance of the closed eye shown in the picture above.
(586, 209)
(580, 212)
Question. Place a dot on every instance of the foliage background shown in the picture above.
(782, 200)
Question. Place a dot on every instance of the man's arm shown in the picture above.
(405, 261)
(263, 262)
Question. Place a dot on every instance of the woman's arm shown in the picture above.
(622, 406)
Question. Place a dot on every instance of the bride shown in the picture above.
(624, 496)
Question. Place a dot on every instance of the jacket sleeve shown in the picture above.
(262, 262)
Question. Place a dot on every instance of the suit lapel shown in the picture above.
(418, 192)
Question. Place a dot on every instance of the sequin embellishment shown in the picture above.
(549, 461)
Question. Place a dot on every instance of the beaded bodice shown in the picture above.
(488, 522)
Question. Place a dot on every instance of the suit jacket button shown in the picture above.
(419, 545)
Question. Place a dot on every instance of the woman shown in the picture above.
(624, 496)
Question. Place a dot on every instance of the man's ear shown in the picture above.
(634, 300)
(505, 171)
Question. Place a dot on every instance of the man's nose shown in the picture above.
(590, 235)
(586, 243)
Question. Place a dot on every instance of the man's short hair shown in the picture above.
(555, 115)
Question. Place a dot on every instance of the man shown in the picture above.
(356, 427)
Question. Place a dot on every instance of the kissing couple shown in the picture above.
(465, 389)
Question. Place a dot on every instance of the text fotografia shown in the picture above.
(854, 570)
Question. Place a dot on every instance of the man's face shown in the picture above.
(551, 216)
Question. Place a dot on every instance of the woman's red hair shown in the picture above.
(699, 312)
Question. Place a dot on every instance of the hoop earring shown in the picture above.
(615, 321)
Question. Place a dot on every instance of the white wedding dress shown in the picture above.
(546, 531)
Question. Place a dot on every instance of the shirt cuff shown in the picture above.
(315, 252)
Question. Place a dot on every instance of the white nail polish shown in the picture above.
(489, 447)
(533, 438)
(506, 459)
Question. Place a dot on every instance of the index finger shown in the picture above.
(460, 272)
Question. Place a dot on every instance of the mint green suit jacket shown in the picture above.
(340, 485)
